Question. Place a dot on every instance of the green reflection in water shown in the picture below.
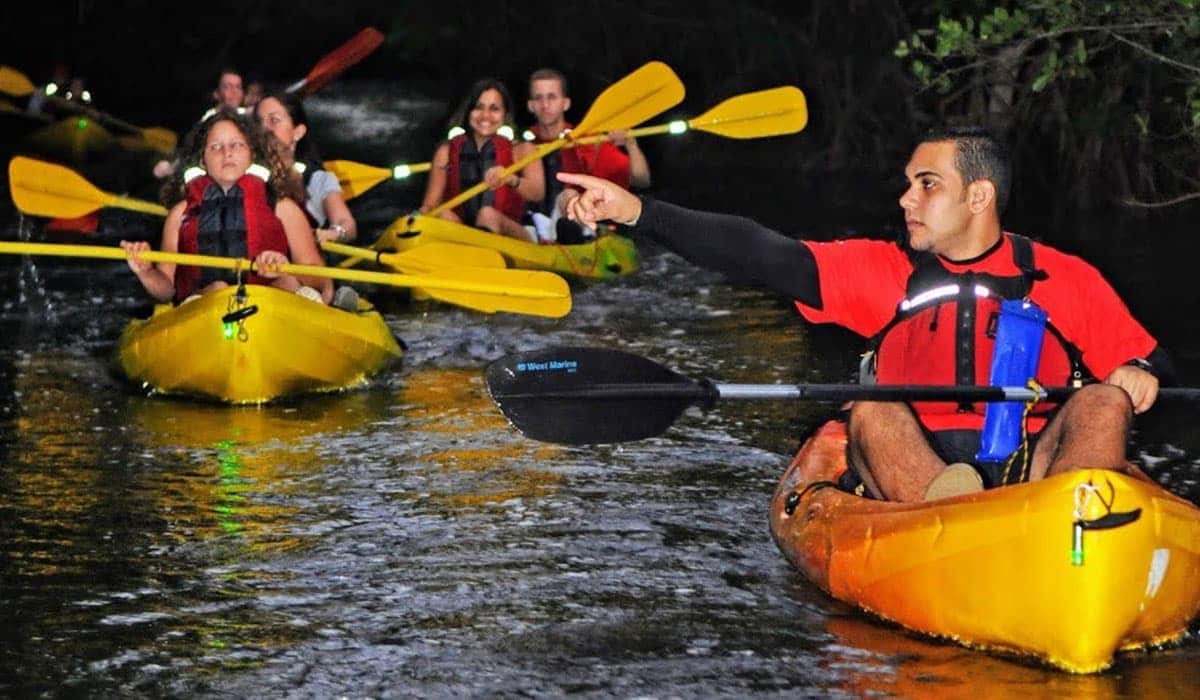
(230, 498)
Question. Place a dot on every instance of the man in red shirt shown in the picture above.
(923, 297)
(548, 102)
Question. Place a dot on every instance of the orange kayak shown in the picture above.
(1069, 569)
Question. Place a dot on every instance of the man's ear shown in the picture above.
(980, 195)
(566, 104)
(299, 132)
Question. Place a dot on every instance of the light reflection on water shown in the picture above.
(403, 541)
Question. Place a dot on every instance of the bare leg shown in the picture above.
(491, 219)
(1088, 432)
(890, 452)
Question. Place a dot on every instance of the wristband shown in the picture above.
(1141, 364)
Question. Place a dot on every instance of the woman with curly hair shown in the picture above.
(284, 117)
(235, 198)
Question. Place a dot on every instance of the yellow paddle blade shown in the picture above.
(530, 292)
(13, 82)
(451, 232)
(773, 112)
(160, 139)
(760, 114)
(45, 189)
(424, 258)
(518, 291)
(644, 93)
(356, 178)
(431, 257)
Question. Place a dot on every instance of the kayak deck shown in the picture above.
(288, 345)
(607, 257)
(998, 569)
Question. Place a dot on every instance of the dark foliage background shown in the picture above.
(1098, 134)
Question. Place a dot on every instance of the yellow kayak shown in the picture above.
(269, 345)
(607, 257)
(1070, 569)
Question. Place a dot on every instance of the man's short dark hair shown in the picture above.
(550, 74)
(981, 156)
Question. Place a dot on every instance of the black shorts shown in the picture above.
(962, 446)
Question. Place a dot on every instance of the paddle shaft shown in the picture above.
(772, 112)
(702, 392)
(397, 280)
(580, 396)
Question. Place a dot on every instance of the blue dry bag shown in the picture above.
(1019, 332)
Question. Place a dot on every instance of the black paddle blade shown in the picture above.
(585, 396)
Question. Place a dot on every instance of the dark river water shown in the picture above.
(403, 541)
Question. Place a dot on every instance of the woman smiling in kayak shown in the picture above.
(480, 154)
(229, 204)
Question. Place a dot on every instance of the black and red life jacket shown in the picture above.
(467, 167)
(944, 330)
(240, 223)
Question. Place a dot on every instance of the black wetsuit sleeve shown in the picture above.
(736, 246)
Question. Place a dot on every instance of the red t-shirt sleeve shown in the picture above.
(1087, 311)
(861, 283)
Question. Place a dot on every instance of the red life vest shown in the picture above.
(466, 168)
(944, 331)
(240, 223)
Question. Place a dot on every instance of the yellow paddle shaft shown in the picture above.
(393, 279)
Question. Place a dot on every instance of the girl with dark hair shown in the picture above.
(234, 198)
(480, 154)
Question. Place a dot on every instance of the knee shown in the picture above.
(866, 414)
(1105, 401)
(489, 218)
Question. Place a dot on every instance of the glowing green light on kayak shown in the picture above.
(51, 89)
(82, 123)
(507, 132)
(401, 171)
(227, 331)
(677, 127)
(1077, 545)
(528, 135)
(455, 131)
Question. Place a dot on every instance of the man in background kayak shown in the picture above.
(930, 305)
(620, 160)
(228, 94)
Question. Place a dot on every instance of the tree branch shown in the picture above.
(1130, 202)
